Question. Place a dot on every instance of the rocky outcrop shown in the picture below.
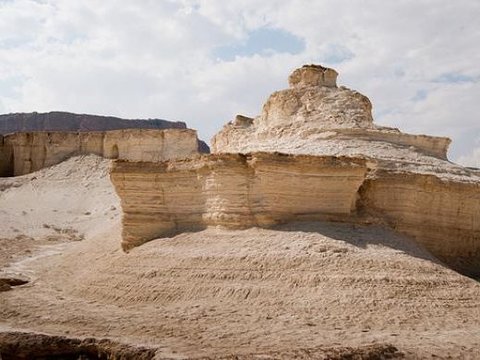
(316, 117)
(69, 122)
(442, 215)
(27, 152)
(25, 346)
(28, 346)
(235, 191)
(351, 169)
(263, 189)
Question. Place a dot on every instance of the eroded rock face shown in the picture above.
(27, 152)
(235, 191)
(313, 75)
(263, 189)
(314, 101)
(405, 180)
(6, 158)
(316, 117)
(442, 215)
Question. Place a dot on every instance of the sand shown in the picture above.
(294, 291)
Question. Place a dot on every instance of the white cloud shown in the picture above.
(156, 58)
(472, 159)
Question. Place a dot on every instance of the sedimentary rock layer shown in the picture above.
(315, 117)
(236, 191)
(23, 153)
(442, 215)
(263, 189)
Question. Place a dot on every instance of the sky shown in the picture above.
(204, 61)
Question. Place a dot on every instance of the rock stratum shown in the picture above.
(340, 165)
(31, 141)
(24, 152)
(235, 191)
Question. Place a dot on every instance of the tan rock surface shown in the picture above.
(264, 189)
(442, 215)
(410, 185)
(6, 158)
(36, 150)
(236, 191)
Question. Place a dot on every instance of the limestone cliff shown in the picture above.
(236, 191)
(24, 152)
(69, 122)
(316, 117)
(350, 168)
(441, 214)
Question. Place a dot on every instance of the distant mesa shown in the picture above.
(65, 121)
(32, 141)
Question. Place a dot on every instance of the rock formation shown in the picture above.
(69, 122)
(443, 215)
(24, 152)
(351, 169)
(316, 117)
(236, 191)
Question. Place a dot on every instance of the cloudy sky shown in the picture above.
(203, 61)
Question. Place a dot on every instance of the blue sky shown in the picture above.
(263, 41)
(203, 61)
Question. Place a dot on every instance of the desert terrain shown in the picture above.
(356, 242)
(299, 290)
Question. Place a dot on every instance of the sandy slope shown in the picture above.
(217, 291)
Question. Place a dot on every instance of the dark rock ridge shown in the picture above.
(65, 121)
(31, 346)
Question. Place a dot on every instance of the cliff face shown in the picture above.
(442, 215)
(351, 169)
(264, 189)
(27, 152)
(69, 122)
(236, 191)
